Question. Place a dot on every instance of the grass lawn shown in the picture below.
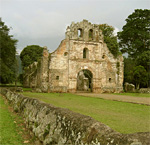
(8, 128)
(134, 94)
(27, 89)
(120, 116)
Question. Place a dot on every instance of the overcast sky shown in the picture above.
(43, 22)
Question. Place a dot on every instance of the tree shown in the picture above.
(144, 60)
(20, 78)
(129, 64)
(30, 54)
(135, 35)
(7, 54)
(110, 39)
(140, 76)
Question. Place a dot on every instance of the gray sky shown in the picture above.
(43, 22)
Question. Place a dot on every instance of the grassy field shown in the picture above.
(27, 89)
(8, 128)
(120, 116)
(134, 94)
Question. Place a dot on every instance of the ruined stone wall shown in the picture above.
(53, 125)
(37, 74)
(30, 77)
(44, 71)
(58, 69)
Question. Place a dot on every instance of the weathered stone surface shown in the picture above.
(15, 89)
(145, 90)
(82, 49)
(53, 125)
(129, 87)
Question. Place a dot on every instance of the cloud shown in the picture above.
(46, 24)
(41, 22)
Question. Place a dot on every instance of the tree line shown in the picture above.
(133, 40)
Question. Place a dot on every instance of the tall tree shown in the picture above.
(144, 60)
(110, 39)
(135, 35)
(129, 64)
(140, 76)
(30, 54)
(7, 54)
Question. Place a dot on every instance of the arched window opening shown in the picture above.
(80, 32)
(57, 77)
(90, 34)
(103, 56)
(110, 80)
(85, 53)
(66, 53)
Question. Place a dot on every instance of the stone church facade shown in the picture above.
(82, 62)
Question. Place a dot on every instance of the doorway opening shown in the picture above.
(84, 80)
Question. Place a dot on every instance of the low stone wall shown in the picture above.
(53, 125)
(145, 90)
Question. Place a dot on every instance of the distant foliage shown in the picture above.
(30, 54)
(129, 64)
(137, 71)
(140, 76)
(144, 60)
(110, 39)
(7, 55)
(134, 38)
(20, 78)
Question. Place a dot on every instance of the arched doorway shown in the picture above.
(84, 80)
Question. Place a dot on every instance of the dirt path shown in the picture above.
(130, 99)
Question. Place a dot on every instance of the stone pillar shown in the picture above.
(44, 70)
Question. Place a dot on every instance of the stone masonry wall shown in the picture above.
(53, 125)
(58, 69)
(37, 74)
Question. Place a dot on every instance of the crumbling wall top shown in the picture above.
(84, 31)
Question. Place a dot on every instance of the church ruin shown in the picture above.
(82, 62)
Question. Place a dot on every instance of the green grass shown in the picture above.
(120, 116)
(134, 94)
(27, 89)
(8, 129)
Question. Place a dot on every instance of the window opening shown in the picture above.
(66, 53)
(85, 53)
(90, 34)
(80, 32)
(103, 56)
(110, 80)
(57, 77)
